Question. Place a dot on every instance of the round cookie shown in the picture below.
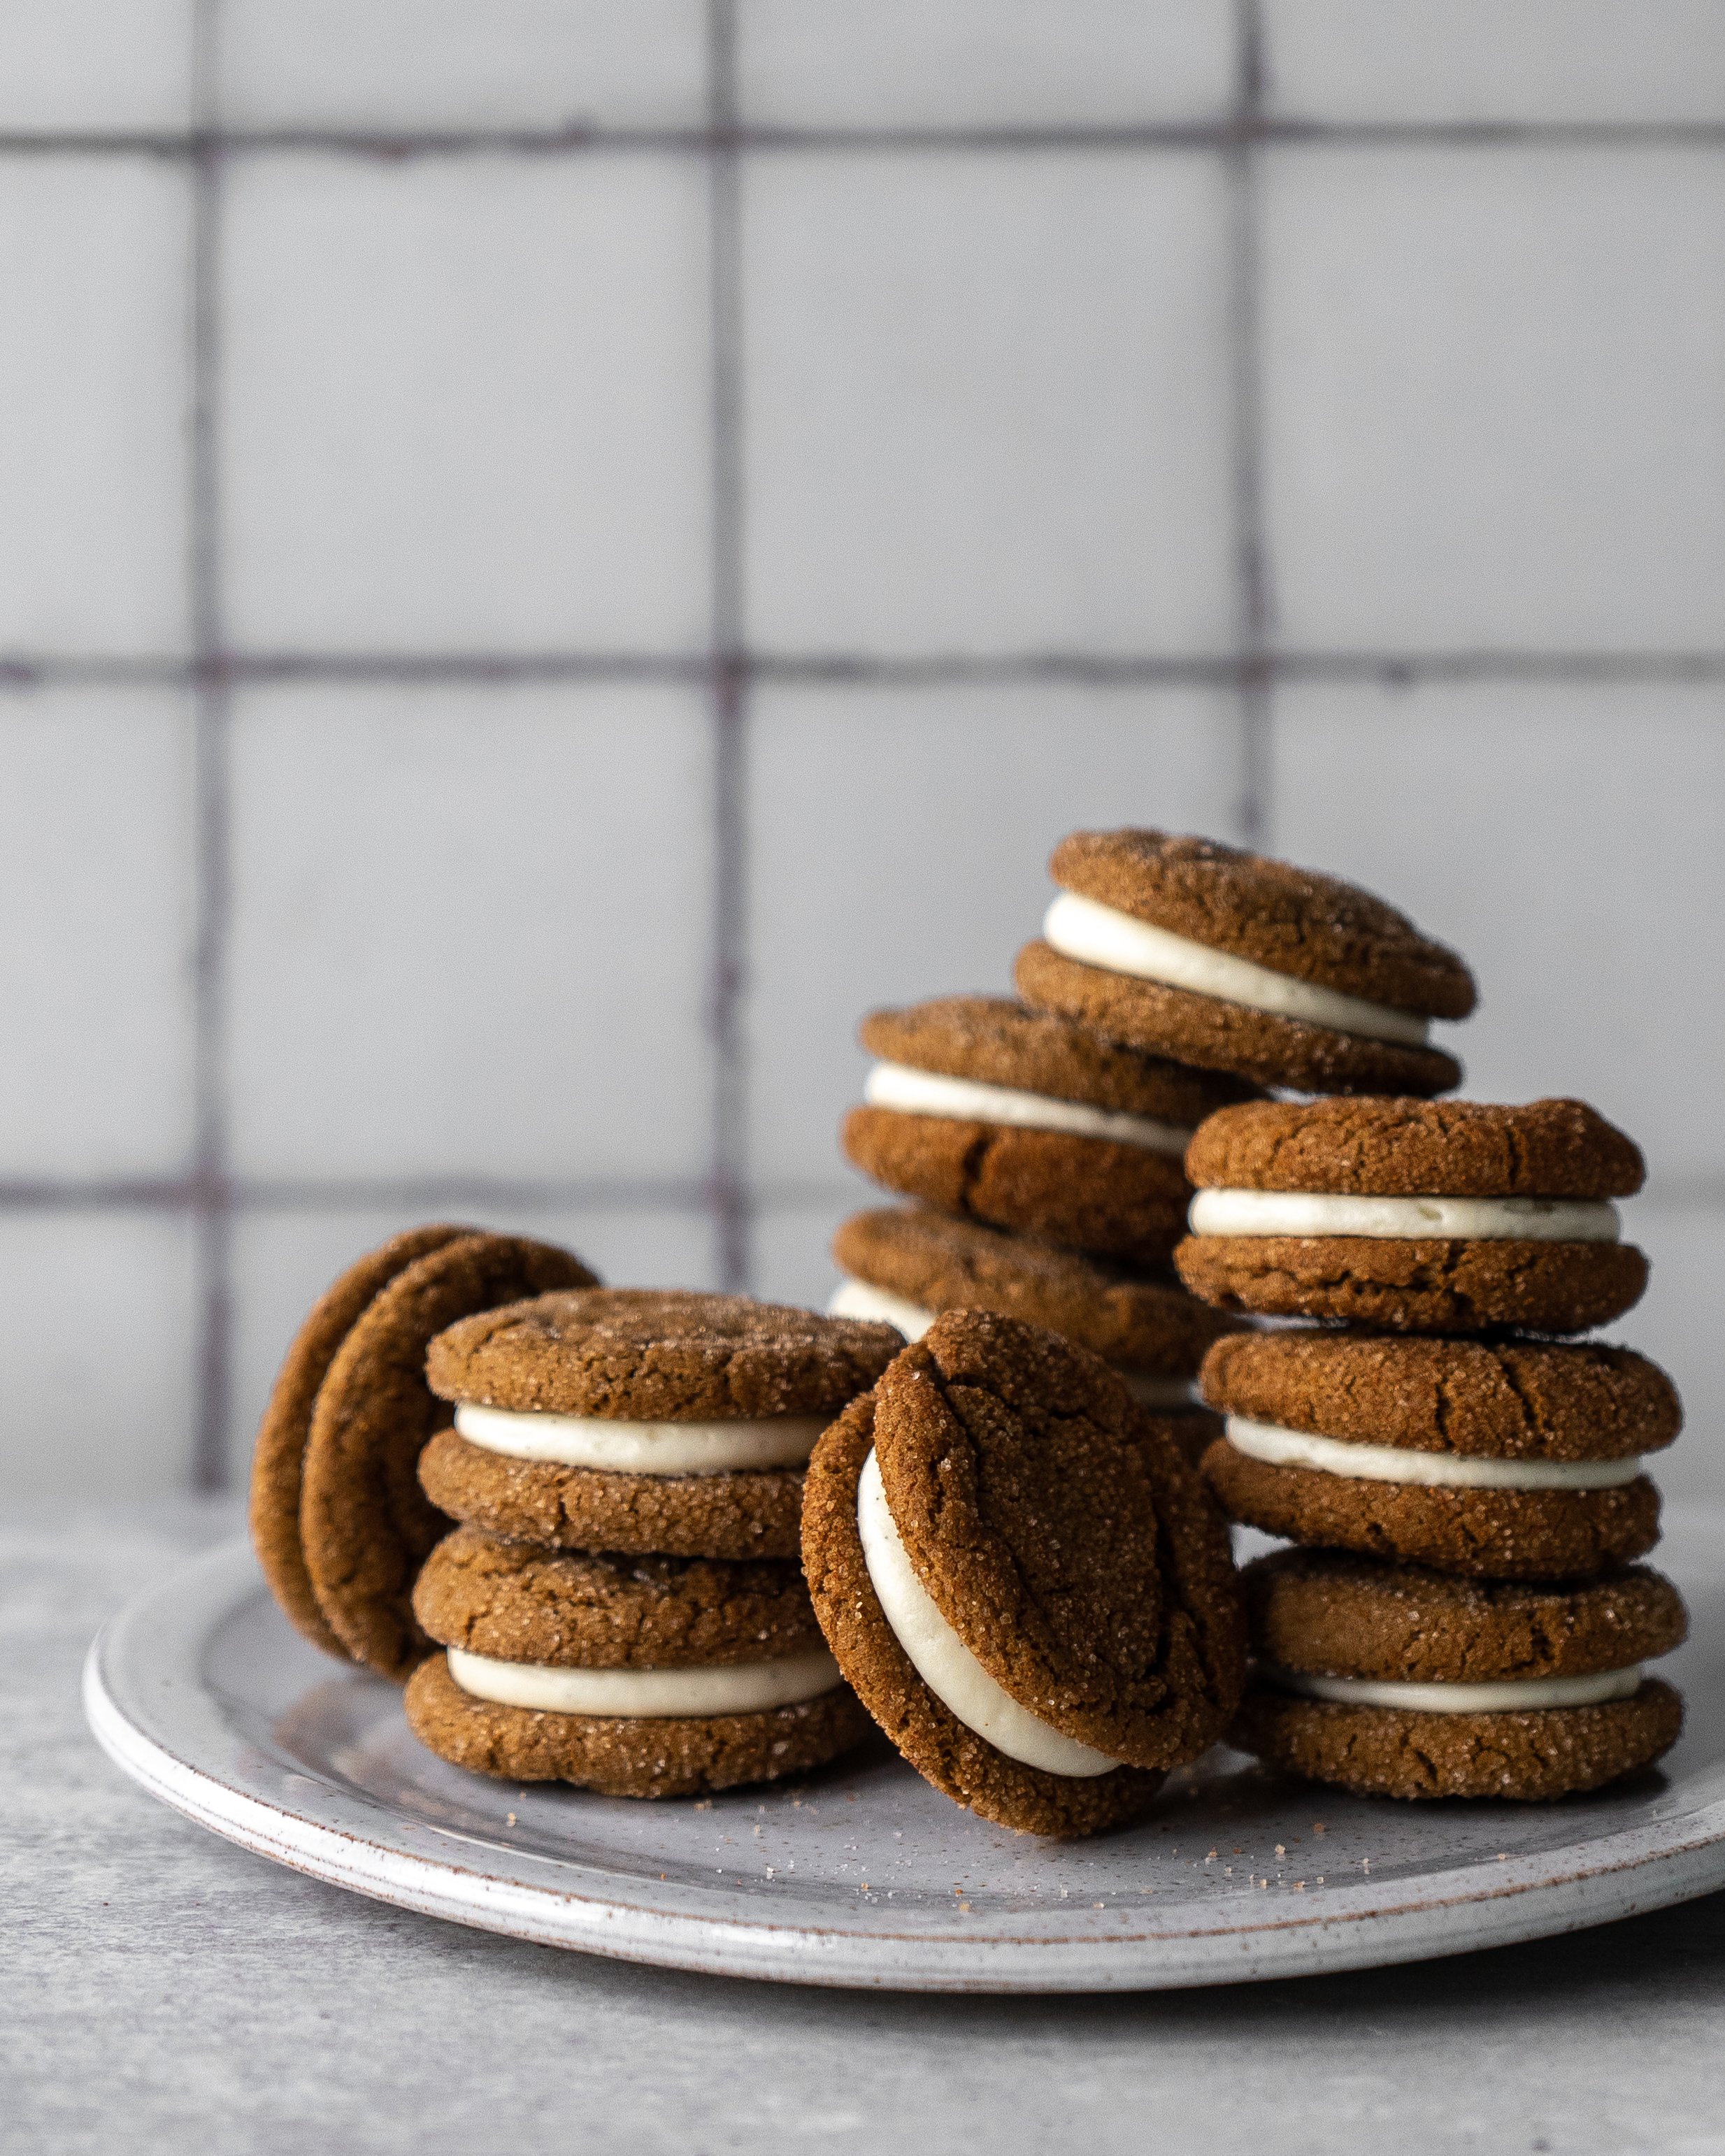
(642, 1355)
(1325, 1616)
(279, 1456)
(1422, 1162)
(628, 1756)
(513, 1602)
(1069, 1551)
(1306, 928)
(365, 1525)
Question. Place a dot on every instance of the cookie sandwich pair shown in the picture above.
(621, 1605)
(1463, 1615)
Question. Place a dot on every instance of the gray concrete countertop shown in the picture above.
(170, 1992)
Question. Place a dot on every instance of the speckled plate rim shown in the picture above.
(149, 1707)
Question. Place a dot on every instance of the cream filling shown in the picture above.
(1098, 936)
(966, 1100)
(1508, 1695)
(1324, 1212)
(728, 1688)
(855, 1298)
(642, 1448)
(1438, 1470)
(943, 1661)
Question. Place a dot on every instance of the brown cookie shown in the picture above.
(1407, 1148)
(633, 1756)
(1511, 1534)
(1259, 1047)
(365, 1524)
(958, 1762)
(750, 1513)
(1532, 1755)
(1489, 1399)
(511, 1602)
(659, 1355)
(999, 1042)
(1294, 921)
(1086, 1193)
(1333, 1615)
(1148, 1325)
(279, 1457)
(1455, 1285)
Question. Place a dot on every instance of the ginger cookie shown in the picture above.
(642, 1419)
(1418, 1216)
(1023, 1582)
(1238, 963)
(1024, 1121)
(365, 1525)
(636, 1676)
(1392, 1681)
(1520, 1459)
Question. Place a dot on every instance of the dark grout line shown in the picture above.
(730, 678)
(196, 1194)
(1250, 539)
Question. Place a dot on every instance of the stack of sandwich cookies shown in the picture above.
(905, 1265)
(622, 1607)
(1239, 963)
(637, 1677)
(1029, 1122)
(1022, 1578)
(339, 1522)
(1394, 1680)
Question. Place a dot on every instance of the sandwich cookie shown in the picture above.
(1422, 1216)
(1519, 1459)
(1237, 962)
(643, 1418)
(1024, 1583)
(338, 1521)
(904, 1265)
(1026, 1121)
(1392, 1682)
(645, 1677)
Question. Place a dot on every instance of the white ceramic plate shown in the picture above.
(862, 1874)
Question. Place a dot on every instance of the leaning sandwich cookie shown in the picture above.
(1027, 1121)
(1392, 1681)
(642, 1419)
(1512, 1458)
(1422, 1216)
(1240, 964)
(1023, 1581)
(642, 1676)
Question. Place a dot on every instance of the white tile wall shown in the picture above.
(984, 63)
(471, 927)
(97, 1328)
(96, 820)
(465, 403)
(1469, 60)
(425, 64)
(793, 1260)
(985, 406)
(94, 257)
(1677, 1324)
(1492, 403)
(898, 844)
(85, 65)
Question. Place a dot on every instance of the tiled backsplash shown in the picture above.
(552, 553)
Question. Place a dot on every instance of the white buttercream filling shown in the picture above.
(1508, 1695)
(943, 1661)
(1098, 936)
(855, 1298)
(1385, 1463)
(729, 1688)
(1325, 1213)
(642, 1448)
(967, 1100)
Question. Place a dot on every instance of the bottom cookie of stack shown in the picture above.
(645, 1677)
(1390, 1680)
